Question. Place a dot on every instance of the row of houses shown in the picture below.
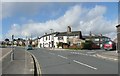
(68, 38)
(15, 42)
(19, 42)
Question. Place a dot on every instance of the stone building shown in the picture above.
(118, 37)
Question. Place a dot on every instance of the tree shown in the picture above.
(7, 41)
(2, 43)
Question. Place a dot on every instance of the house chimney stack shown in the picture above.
(68, 29)
(45, 33)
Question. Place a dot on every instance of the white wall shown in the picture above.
(57, 41)
(46, 42)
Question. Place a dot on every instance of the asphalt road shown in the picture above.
(73, 62)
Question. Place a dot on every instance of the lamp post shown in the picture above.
(12, 56)
(52, 39)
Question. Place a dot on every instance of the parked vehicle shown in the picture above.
(29, 47)
(109, 45)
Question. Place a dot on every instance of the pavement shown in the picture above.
(22, 63)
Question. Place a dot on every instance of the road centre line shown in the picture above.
(76, 62)
(51, 53)
(58, 55)
(62, 57)
(85, 64)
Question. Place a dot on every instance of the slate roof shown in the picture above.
(48, 34)
(73, 33)
(95, 37)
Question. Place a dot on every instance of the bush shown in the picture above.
(60, 44)
(82, 45)
(88, 44)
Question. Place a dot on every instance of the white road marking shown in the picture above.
(94, 55)
(85, 64)
(5, 55)
(52, 53)
(62, 57)
(31, 62)
(31, 70)
(82, 54)
(107, 57)
(91, 52)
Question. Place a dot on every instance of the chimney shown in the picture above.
(68, 29)
(45, 33)
(80, 35)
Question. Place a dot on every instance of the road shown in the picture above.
(73, 62)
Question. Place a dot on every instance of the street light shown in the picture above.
(12, 56)
(52, 39)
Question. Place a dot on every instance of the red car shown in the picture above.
(109, 45)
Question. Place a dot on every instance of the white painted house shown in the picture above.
(52, 39)
(47, 40)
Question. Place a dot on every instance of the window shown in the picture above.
(46, 37)
(43, 38)
(60, 38)
(49, 37)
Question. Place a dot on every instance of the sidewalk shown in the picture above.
(23, 65)
(109, 55)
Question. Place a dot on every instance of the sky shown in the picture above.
(23, 19)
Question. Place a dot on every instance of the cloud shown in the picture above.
(78, 17)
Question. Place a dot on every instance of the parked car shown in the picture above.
(109, 45)
(29, 47)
